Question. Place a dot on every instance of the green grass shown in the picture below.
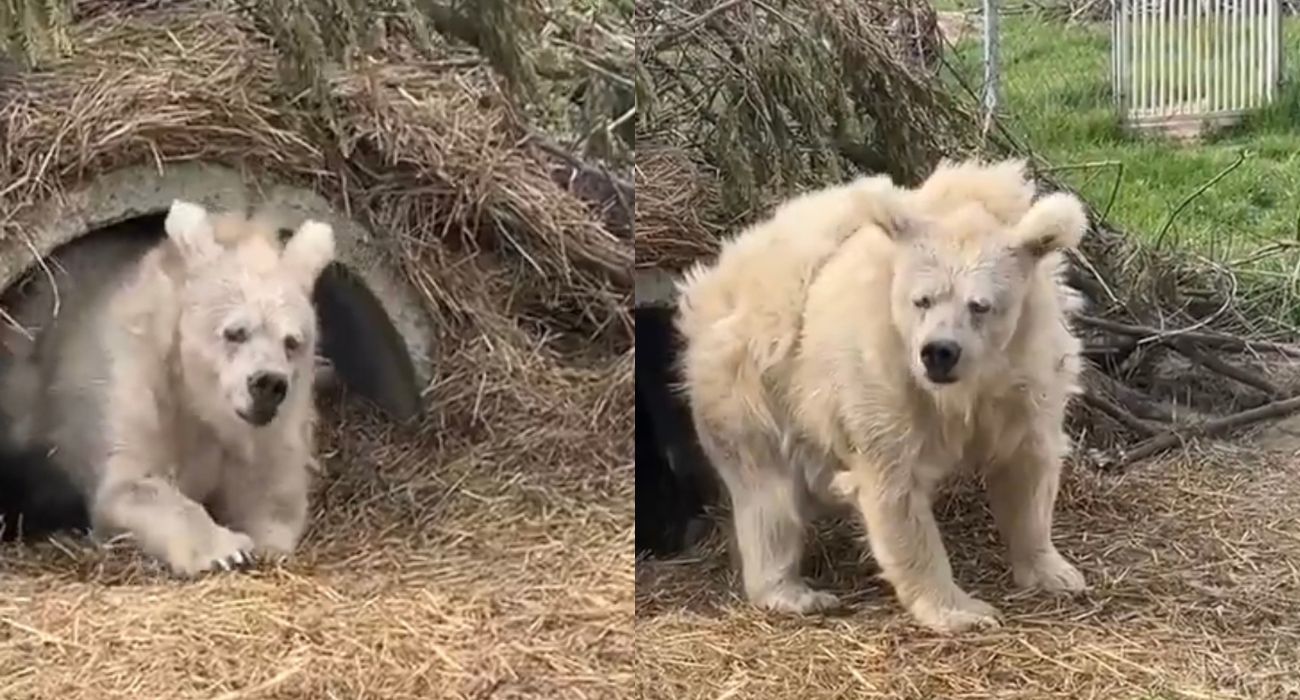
(1057, 94)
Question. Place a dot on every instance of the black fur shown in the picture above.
(379, 369)
(663, 506)
(673, 478)
(36, 498)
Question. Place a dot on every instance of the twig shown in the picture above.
(621, 186)
(1264, 252)
(1121, 416)
(1205, 321)
(668, 41)
(1215, 340)
(1160, 237)
(1118, 165)
(1114, 352)
(1215, 364)
(1135, 402)
(15, 325)
(623, 190)
(1209, 428)
(1093, 281)
(1082, 9)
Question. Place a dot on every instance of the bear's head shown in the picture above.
(246, 328)
(962, 273)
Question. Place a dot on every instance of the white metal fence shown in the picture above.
(1189, 62)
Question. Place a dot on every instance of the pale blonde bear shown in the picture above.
(867, 340)
(181, 399)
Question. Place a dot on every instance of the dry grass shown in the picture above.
(1196, 595)
(484, 552)
(444, 561)
(429, 153)
(440, 564)
(677, 209)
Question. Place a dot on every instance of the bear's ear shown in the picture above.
(189, 227)
(308, 251)
(886, 205)
(1055, 222)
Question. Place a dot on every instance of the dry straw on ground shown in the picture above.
(1195, 596)
(486, 552)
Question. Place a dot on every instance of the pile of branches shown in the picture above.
(1179, 346)
(750, 102)
(743, 101)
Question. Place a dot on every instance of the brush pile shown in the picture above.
(486, 550)
(744, 103)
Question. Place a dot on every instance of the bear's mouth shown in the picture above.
(257, 417)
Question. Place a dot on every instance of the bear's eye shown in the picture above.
(235, 335)
(978, 307)
(923, 302)
(291, 343)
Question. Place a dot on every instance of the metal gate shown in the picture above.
(1192, 63)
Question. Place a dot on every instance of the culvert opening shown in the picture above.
(365, 353)
(674, 481)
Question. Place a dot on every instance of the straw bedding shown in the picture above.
(1195, 595)
(485, 551)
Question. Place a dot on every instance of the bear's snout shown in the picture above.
(267, 391)
(940, 358)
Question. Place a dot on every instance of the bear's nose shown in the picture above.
(940, 358)
(268, 388)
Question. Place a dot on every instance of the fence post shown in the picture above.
(991, 87)
(1279, 45)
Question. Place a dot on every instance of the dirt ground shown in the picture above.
(444, 564)
(1193, 563)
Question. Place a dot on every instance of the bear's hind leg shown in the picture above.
(769, 506)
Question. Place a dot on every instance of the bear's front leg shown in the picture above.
(1022, 494)
(905, 541)
(167, 525)
(270, 507)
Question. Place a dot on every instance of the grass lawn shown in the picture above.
(1057, 94)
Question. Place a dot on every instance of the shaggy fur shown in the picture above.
(865, 341)
(178, 394)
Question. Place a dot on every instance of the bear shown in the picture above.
(864, 342)
(177, 396)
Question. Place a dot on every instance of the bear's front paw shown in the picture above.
(1050, 572)
(954, 612)
(797, 598)
(274, 541)
(217, 548)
